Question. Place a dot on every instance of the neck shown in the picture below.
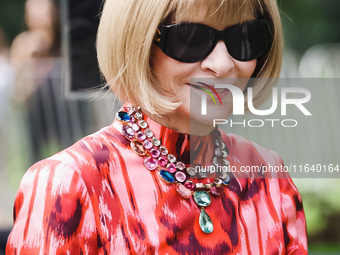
(185, 125)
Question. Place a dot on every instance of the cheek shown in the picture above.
(168, 71)
(163, 66)
(158, 62)
(246, 69)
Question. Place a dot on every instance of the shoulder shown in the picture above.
(91, 151)
(82, 165)
(92, 159)
(61, 193)
(52, 204)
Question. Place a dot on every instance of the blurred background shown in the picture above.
(48, 67)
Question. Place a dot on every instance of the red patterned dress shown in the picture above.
(97, 197)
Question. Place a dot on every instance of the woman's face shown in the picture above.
(174, 76)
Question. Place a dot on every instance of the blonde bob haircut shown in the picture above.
(126, 33)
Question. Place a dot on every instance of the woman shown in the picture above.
(133, 187)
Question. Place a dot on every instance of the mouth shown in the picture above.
(217, 93)
(200, 85)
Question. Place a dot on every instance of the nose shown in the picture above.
(219, 62)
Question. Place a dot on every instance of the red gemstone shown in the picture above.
(189, 185)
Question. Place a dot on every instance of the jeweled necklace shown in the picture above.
(171, 171)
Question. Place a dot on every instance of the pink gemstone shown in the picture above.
(180, 166)
(163, 150)
(215, 161)
(171, 168)
(218, 152)
(180, 176)
(148, 144)
(171, 158)
(214, 191)
(189, 185)
(155, 153)
(128, 131)
(163, 160)
(183, 191)
(135, 127)
(150, 163)
(141, 136)
(132, 119)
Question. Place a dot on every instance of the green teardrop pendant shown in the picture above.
(202, 198)
(205, 222)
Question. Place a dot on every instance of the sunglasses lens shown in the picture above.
(189, 42)
(193, 42)
(248, 41)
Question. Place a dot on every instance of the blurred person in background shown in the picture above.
(6, 77)
(6, 90)
(131, 188)
(32, 50)
(35, 55)
(25, 67)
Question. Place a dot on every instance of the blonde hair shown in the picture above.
(126, 33)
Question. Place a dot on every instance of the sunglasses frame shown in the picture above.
(161, 38)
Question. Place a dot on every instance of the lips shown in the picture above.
(217, 93)
(209, 89)
(204, 86)
(220, 90)
(207, 86)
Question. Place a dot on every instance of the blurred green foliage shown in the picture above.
(324, 248)
(12, 17)
(309, 22)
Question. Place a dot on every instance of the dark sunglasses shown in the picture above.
(193, 42)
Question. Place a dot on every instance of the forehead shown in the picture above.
(216, 13)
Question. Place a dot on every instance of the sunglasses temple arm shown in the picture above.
(160, 36)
